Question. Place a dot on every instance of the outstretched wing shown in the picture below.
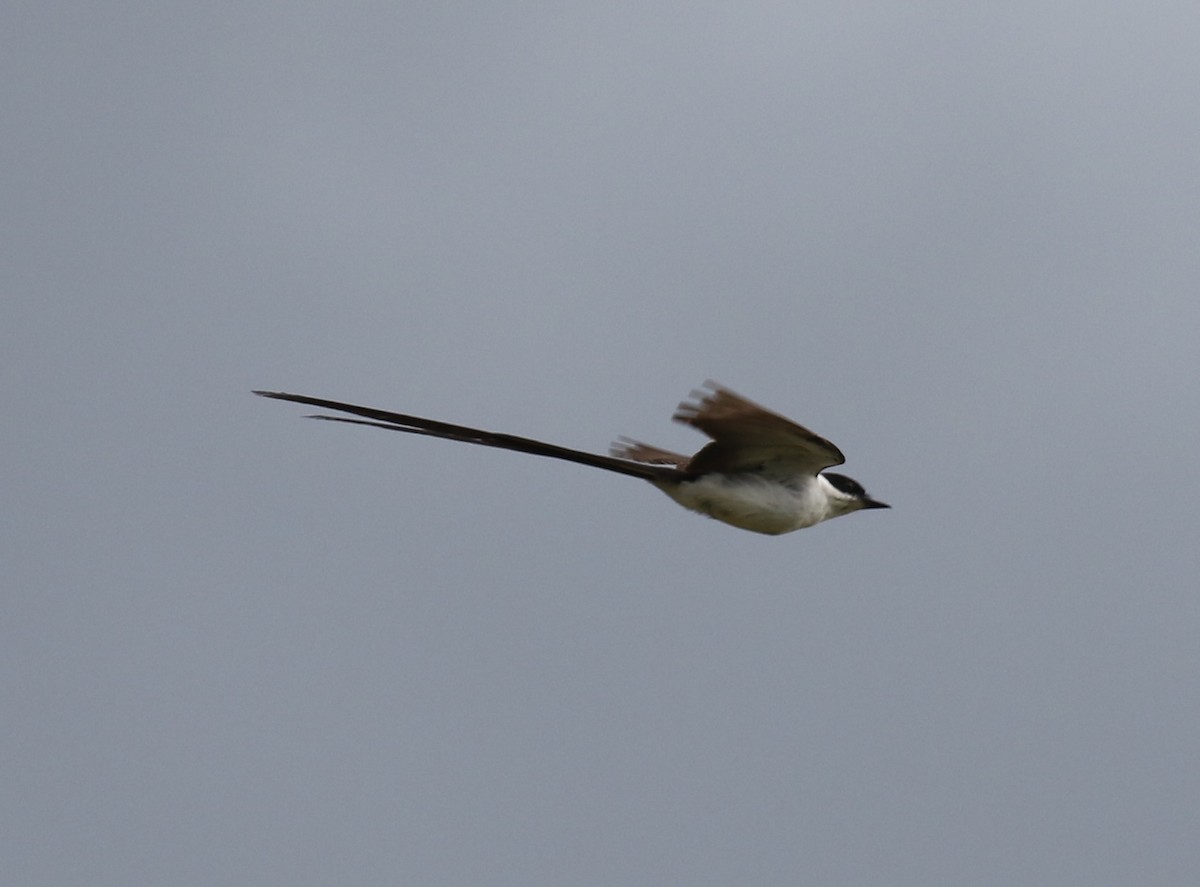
(747, 436)
(636, 451)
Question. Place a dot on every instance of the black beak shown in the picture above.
(871, 503)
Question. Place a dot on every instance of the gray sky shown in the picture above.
(238, 647)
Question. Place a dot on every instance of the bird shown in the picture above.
(759, 471)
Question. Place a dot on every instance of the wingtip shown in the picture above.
(697, 401)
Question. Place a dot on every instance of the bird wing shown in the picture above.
(636, 451)
(746, 435)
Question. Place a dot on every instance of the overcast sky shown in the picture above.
(960, 240)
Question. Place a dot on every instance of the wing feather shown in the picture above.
(746, 435)
(636, 451)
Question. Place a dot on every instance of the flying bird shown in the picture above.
(759, 472)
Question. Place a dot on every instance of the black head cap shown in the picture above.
(851, 487)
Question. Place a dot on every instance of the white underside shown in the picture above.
(756, 503)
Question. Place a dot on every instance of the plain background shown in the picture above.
(960, 240)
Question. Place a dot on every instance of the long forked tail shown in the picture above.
(431, 428)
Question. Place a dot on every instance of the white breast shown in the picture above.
(753, 502)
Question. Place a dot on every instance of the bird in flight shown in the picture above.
(759, 472)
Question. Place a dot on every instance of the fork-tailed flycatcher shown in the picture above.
(760, 472)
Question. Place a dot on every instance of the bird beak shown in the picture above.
(871, 503)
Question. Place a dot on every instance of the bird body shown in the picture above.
(760, 503)
(761, 472)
